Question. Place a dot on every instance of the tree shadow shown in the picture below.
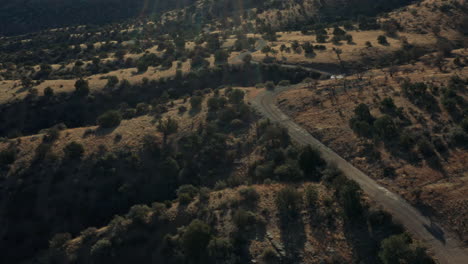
(436, 231)
(366, 232)
(104, 131)
(194, 111)
(243, 239)
(293, 238)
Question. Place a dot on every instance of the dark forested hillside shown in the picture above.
(24, 16)
(21, 16)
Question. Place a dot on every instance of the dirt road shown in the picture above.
(446, 247)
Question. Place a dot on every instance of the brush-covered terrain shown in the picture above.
(127, 134)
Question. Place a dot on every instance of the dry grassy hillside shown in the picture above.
(436, 184)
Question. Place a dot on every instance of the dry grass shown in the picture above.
(446, 191)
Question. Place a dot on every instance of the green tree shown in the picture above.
(112, 81)
(362, 112)
(74, 150)
(213, 103)
(81, 87)
(236, 96)
(311, 196)
(220, 249)
(270, 85)
(247, 59)
(395, 250)
(196, 102)
(382, 40)
(186, 193)
(195, 240)
(386, 128)
(289, 171)
(288, 201)
(221, 56)
(167, 126)
(109, 119)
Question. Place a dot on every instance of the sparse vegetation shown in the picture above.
(182, 169)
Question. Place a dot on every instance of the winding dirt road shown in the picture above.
(446, 248)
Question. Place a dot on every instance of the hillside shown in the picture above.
(128, 132)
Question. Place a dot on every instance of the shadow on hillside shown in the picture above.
(104, 131)
(436, 231)
(366, 233)
(293, 238)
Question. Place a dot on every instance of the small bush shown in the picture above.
(288, 201)
(382, 40)
(74, 150)
(270, 85)
(186, 193)
(249, 194)
(196, 239)
(244, 219)
(284, 83)
(311, 196)
(109, 119)
(196, 102)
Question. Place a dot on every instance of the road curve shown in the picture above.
(446, 248)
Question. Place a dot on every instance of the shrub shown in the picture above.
(109, 119)
(196, 102)
(52, 134)
(382, 40)
(220, 248)
(289, 171)
(81, 87)
(386, 128)
(112, 81)
(195, 239)
(204, 194)
(48, 92)
(221, 56)
(101, 250)
(186, 193)
(399, 249)
(388, 106)
(167, 127)
(236, 123)
(249, 194)
(74, 150)
(213, 104)
(311, 196)
(236, 96)
(142, 108)
(138, 213)
(244, 219)
(288, 201)
(182, 109)
(284, 83)
(59, 240)
(270, 85)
